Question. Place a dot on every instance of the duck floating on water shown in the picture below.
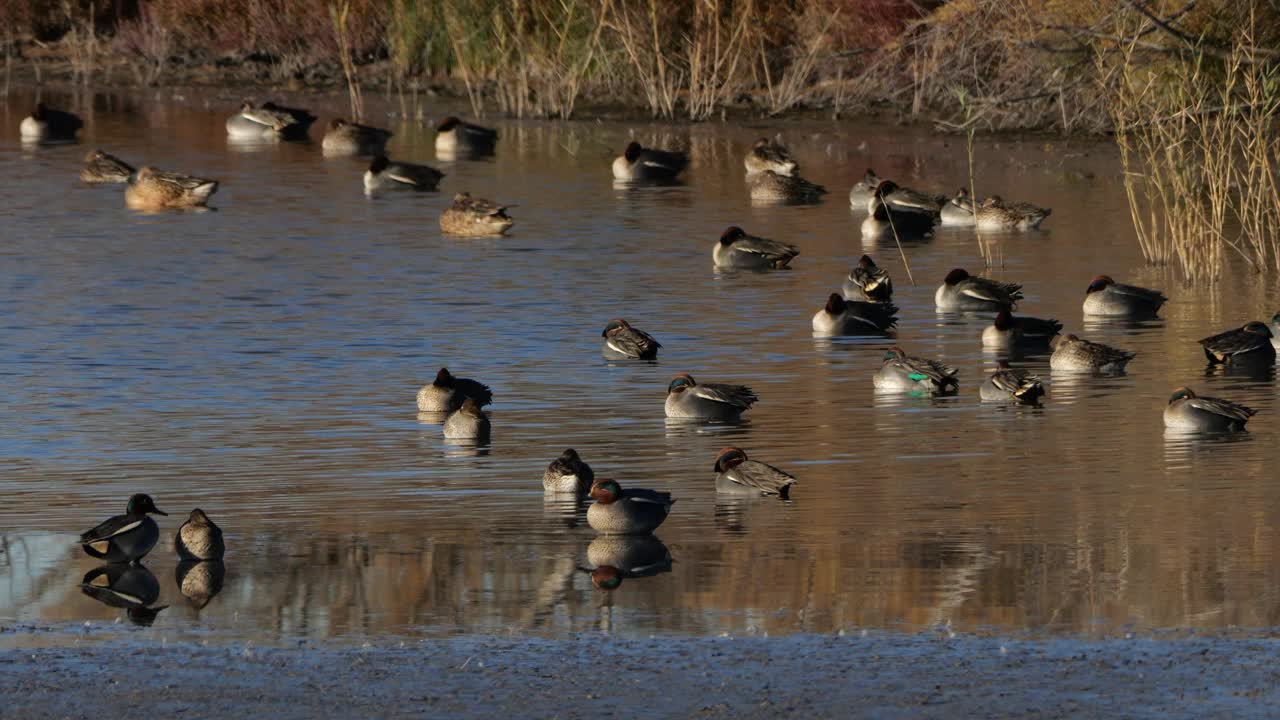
(686, 398)
(626, 512)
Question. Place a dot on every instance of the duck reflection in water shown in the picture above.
(199, 581)
(615, 558)
(122, 585)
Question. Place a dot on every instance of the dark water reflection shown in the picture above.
(261, 363)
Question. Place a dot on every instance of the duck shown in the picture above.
(736, 249)
(125, 538)
(958, 210)
(268, 121)
(1074, 354)
(736, 474)
(888, 219)
(626, 512)
(384, 174)
(1009, 384)
(1107, 298)
(467, 423)
(99, 167)
(568, 474)
(199, 581)
(1007, 331)
(152, 189)
(769, 186)
(867, 281)
(711, 401)
(903, 373)
(475, 217)
(446, 393)
(768, 155)
(458, 136)
(900, 198)
(618, 557)
(348, 138)
(621, 340)
(1188, 411)
(996, 214)
(961, 291)
(46, 125)
(850, 317)
(199, 538)
(638, 164)
(1250, 343)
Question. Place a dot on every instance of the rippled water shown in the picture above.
(261, 361)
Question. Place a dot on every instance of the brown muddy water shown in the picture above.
(260, 362)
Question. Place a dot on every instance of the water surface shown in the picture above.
(261, 361)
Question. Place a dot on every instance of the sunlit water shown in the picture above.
(261, 361)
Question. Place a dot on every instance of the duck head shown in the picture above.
(1004, 320)
(956, 276)
(884, 188)
(379, 164)
(1099, 282)
(1057, 340)
(870, 178)
(632, 151)
(570, 458)
(199, 518)
(1182, 393)
(443, 379)
(606, 577)
(615, 326)
(144, 172)
(448, 124)
(1257, 328)
(732, 234)
(761, 144)
(962, 193)
(40, 111)
(606, 492)
(729, 458)
(95, 154)
(680, 383)
(141, 504)
(894, 353)
(246, 106)
(835, 304)
(993, 201)
(469, 407)
(866, 263)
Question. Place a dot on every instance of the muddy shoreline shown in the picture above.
(927, 675)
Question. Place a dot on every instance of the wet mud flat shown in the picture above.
(592, 676)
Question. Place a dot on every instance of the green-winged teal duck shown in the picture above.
(1011, 385)
(638, 163)
(45, 125)
(1008, 331)
(1250, 343)
(384, 174)
(888, 219)
(964, 292)
(1108, 298)
(771, 187)
(867, 281)
(899, 198)
(1074, 354)
(458, 136)
(621, 340)
(626, 512)
(768, 155)
(852, 317)
(348, 138)
(958, 211)
(268, 121)
(686, 398)
(475, 217)
(446, 393)
(1188, 411)
(128, 537)
(152, 189)
(568, 474)
(737, 249)
(468, 422)
(199, 538)
(99, 167)
(738, 475)
(904, 373)
(995, 214)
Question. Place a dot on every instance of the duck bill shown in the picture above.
(158, 511)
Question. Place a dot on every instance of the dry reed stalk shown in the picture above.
(791, 87)
(339, 14)
(713, 65)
